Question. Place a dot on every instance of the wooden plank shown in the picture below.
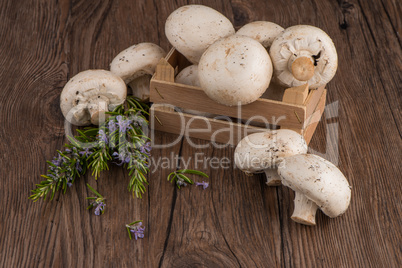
(296, 95)
(189, 97)
(237, 221)
(314, 119)
(164, 72)
(217, 131)
(312, 100)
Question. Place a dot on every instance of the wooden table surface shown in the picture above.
(238, 221)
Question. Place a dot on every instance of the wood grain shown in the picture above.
(237, 221)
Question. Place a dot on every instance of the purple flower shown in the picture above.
(112, 126)
(203, 184)
(124, 157)
(69, 182)
(78, 166)
(138, 231)
(99, 208)
(123, 124)
(146, 148)
(102, 136)
(180, 182)
(86, 152)
(57, 160)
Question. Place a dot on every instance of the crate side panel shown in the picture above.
(315, 118)
(262, 110)
(312, 100)
(219, 131)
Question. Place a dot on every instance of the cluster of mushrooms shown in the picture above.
(233, 68)
(282, 156)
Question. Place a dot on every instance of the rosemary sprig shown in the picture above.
(62, 172)
(135, 227)
(122, 139)
(181, 180)
(99, 201)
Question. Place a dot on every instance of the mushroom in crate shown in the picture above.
(317, 184)
(189, 76)
(301, 54)
(89, 94)
(136, 65)
(264, 152)
(264, 32)
(192, 29)
(235, 70)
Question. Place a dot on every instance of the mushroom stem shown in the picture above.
(97, 108)
(305, 210)
(273, 178)
(140, 87)
(303, 68)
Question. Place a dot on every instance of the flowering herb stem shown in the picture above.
(122, 140)
(99, 201)
(136, 228)
(181, 180)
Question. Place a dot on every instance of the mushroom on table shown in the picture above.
(264, 152)
(89, 94)
(136, 65)
(317, 184)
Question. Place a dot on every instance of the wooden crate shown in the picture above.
(297, 109)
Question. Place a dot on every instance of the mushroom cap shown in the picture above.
(136, 61)
(263, 31)
(304, 41)
(259, 151)
(319, 180)
(189, 76)
(86, 86)
(235, 70)
(192, 29)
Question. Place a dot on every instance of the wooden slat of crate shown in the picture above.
(314, 118)
(227, 132)
(221, 131)
(189, 97)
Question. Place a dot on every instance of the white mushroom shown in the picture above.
(317, 184)
(89, 94)
(263, 31)
(188, 76)
(192, 29)
(264, 152)
(136, 65)
(235, 70)
(304, 53)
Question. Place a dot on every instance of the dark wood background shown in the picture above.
(237, 221)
